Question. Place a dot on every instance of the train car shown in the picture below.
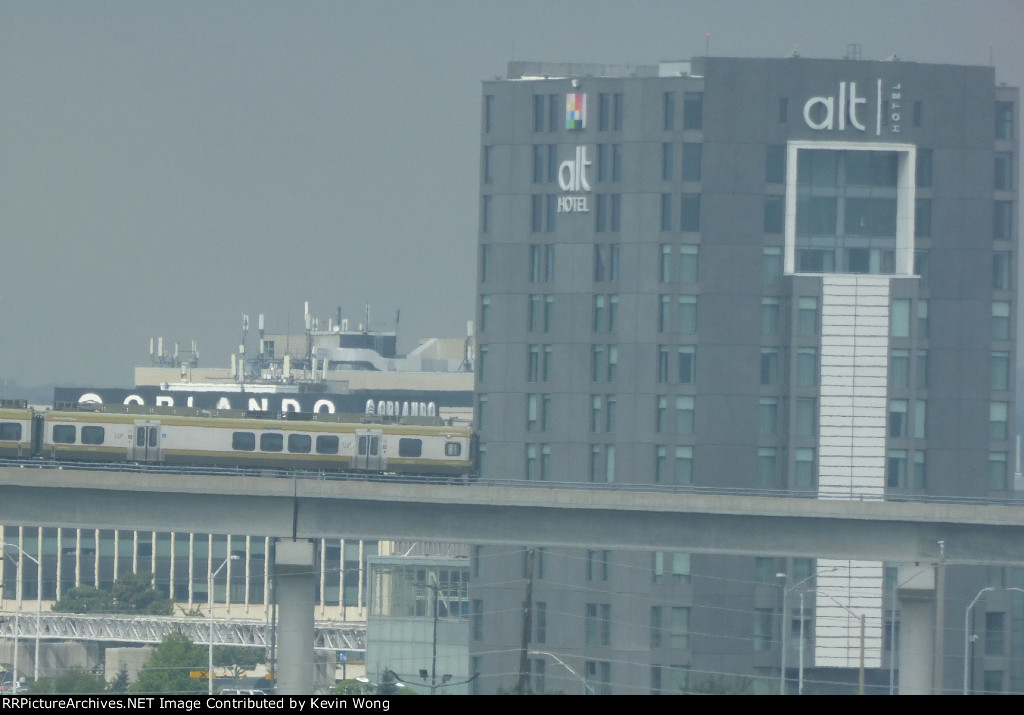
(416, 446)
(15, 429)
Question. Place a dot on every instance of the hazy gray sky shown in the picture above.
(168, 166)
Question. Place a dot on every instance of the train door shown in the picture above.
(369, 450)
(145, 446)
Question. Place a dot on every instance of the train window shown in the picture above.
(362, 445)
(452, 449)
(243, 441)
(299, 443)
(271, 442)
(326, 444)
(374, 446)
(410, 447)
(10, 430)
(92, 435)
(64, 434)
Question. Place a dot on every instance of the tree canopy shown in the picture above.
(132, 593)
(74, 681)
(168, 670)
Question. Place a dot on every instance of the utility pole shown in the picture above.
(522, 686)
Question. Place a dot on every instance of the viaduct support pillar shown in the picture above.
(296, 595)
(916, 593)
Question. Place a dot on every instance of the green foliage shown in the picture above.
(85, 599)
(120, 683)
(347, 687)
(167, 670)
(133, 593)
(244, 657)
(721, 685)
(75, 681)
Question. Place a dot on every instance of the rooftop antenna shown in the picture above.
(707, 44)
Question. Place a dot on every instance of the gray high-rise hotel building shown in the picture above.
(787, 275)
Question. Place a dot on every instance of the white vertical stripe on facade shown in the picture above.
(851, 458)
(845, 591)
(852, 404)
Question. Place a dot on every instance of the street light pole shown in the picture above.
(209, 592)
(565, 665)
(967, 627)
(17, 611)
(785, 630)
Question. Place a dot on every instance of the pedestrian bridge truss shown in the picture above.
(327, 636)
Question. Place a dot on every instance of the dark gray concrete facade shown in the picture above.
(658, 304)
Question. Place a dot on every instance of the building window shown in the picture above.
(532, 362)
(897, 468)
(688, 263)
(655, 631)
(999, 371)
(774, 214)
(693, 110)
(807, 315)
(690, 213)
(662, 366)
(597, 564)
(899, 368)
(806, 366)
(994, 640)
(998, 415)
(660, 410)
(923, 168)
(684, 414)
(598, 624)
(667, 161)
(666, 212)
(1003, 171)
(665, 263)
(606, 262)
(900, 320)
(488, 169)
(485, 262)
(1002, 220)
(775, 164)
(1000, 320)
(609, 112)
(485, 214)
(766, 466)
(478, 619)
(609, 162)
(804, 467)
(921, 369)
(783, 117)
(488, 113)
(679, 628)
(687, 317)
(598, 675)
(898, 418)
(768, 416)
(997, 471)
(770, 316)
(1001, 270)
(668, 113)
(531, 413)
(1004, 120)
(683, 466)
(663, 313)
(920, 412)
(660, 464)
(769, 366)
(805, 414)
(763, 628)
(530, 469)
(687, 359)
(771, 265)
(691, 162)
(920, 469)
(540, 622)
(921, 265)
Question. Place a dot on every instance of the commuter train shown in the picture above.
(232, 438)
